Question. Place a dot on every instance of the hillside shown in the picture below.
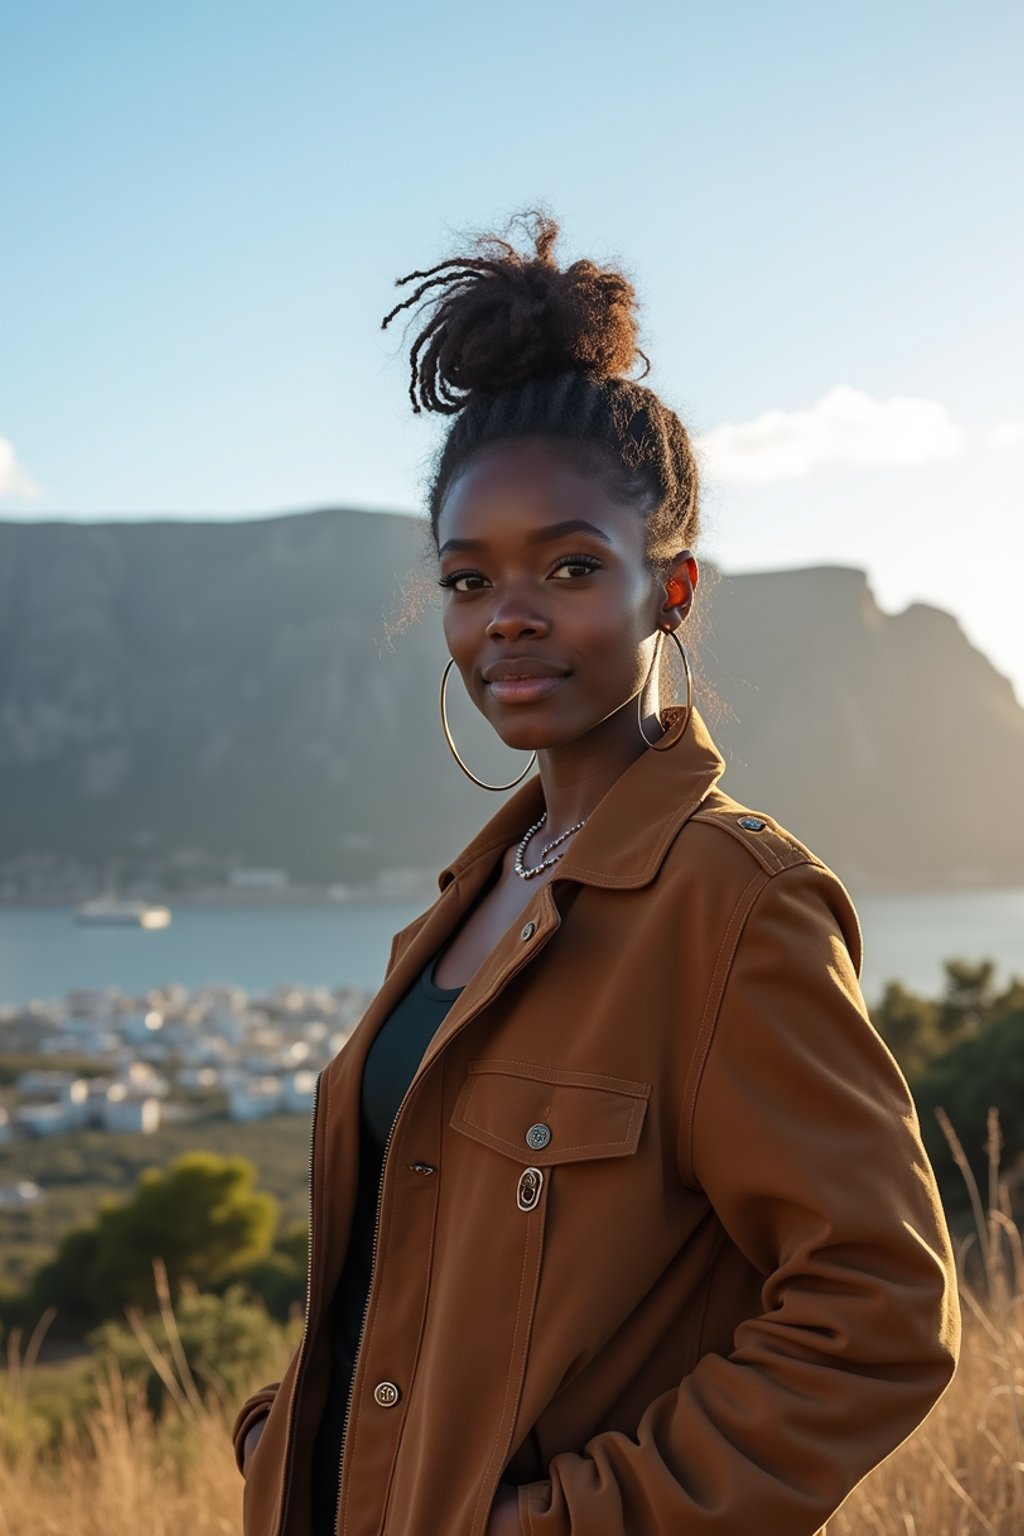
(183, 693)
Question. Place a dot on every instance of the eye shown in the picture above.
(452, 581)
(578, 565)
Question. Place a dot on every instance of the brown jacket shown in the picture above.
(657, 1237)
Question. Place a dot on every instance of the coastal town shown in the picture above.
(123, 1062)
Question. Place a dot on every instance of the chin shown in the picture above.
(524, 740)
(526, 736)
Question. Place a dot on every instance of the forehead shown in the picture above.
(510, 489)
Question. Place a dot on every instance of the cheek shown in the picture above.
(635, 668)
(462, 637)
(459, 635)
(617, 642)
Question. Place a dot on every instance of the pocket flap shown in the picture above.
(582, 1114)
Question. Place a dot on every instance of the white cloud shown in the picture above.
(945, 532)
(13, 479)
(1007, 434)
(845, 427)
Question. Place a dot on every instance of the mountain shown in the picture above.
(886, 742)
(180, 694)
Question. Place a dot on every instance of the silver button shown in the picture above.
(528, 930)
(385, 1393)
(538, 1135)
(752, 823)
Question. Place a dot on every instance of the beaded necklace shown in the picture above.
(528, 874)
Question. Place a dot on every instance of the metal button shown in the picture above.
(752, 823)
(385, 1393)
(528, 930)
(528, 1188)
(538, 1135)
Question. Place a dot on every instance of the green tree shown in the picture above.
(908, 1025)
(200, 1216)
(967, 999)
(279, 1279)
(978, 1072)
(63, 1282)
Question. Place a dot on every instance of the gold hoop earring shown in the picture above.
(689, 689)
(455, 751)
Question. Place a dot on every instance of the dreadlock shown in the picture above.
(516, 347)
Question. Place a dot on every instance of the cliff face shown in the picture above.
(888, 743)
(237, 688)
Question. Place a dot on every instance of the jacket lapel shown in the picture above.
(622, 846)
(631, 829)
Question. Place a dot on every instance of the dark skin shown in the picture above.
(596, 619)
(585, 603)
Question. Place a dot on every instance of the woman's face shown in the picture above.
(550, 611)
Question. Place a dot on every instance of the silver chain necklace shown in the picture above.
(528, 874)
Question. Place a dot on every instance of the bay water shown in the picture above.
(44, 953)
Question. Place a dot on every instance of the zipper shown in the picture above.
(305, 1326)
(366, 1308)
(487, 998)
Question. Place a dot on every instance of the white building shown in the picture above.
(140, 1079)
(47, 1119)
(91, 1042)
(254, 1098)
(297, 1091)
(226, 1021)
(293, 1055)
(98, 1088)
(194, 1079)
(67, 1087)
(140, 1028)
(123, 1111)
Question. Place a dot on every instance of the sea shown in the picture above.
(44, 953)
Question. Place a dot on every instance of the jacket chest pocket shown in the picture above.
(540, 1116)
(526, 1133)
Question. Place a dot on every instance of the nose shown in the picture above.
(512, 619)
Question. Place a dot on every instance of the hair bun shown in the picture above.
(503, 316)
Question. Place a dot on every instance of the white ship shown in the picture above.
(116, 910)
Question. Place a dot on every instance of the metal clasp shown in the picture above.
(528, 1189)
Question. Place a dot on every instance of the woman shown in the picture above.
(653, 1239)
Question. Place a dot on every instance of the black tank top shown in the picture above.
(391, 1063)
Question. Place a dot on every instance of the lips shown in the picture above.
(521, 667)
(523, 679)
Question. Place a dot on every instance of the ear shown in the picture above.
(679, 588)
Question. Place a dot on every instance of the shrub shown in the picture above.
(200, 1344)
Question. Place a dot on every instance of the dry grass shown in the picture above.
(126, 1473)
(126, 1478)
(960, 1473)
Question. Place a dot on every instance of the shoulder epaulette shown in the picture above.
(771, 844)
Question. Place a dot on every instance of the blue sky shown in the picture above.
(204, 208)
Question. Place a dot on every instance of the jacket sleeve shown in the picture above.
(804, 1136)
(252, 1410)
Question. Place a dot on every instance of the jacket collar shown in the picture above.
(630, 830)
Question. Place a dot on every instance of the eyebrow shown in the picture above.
(538, 536)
